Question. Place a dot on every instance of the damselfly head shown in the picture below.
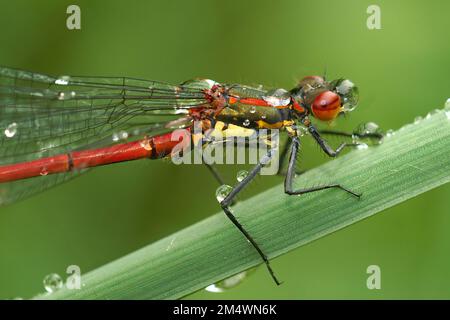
(326, 100)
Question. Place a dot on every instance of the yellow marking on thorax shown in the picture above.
(232, 130)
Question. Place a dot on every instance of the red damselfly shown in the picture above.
(57, 127)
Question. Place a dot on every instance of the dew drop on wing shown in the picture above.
(123, 135)
(61, 95)
(63, 80)
(246, 123)
(11, 130)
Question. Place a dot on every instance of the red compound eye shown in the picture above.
(326, 106)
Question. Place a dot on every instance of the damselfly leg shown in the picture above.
(225, 204)
(288, 188)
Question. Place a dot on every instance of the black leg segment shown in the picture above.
(225, 204)
(288, 188)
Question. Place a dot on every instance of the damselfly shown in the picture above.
(56, 127)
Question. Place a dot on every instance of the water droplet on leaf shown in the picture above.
(53, 282)
(417, 119)
(362, 146)
(390, 133)
(228, 283)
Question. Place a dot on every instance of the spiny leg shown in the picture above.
(288, 188)
(225, 204)
(370, 135)
(281, 169)
(325, 146)
(283, 155)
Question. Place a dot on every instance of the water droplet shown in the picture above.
(228, 283)
(53, 282)
(367, 128)
(417, 119)
(222, 192)
(146, 144)
(11, 130)
(63, 80)
(61, 95)
(263, 116)
(447, 108)
(370, 131)
(447, 104)
(278, 98)
(362, 146)
(301, 131)
(115, 137)
(433, 112)
(253, 109)
(73, 94)
(44, 171)
(123, 135)
(390, 133)
(181, 111)
(241, 175)
(246, 122)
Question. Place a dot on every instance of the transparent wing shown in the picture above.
(42, 116)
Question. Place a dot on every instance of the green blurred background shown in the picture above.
(402, 72)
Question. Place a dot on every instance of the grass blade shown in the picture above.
(412, 161)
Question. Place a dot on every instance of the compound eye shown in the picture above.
(326, 106)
